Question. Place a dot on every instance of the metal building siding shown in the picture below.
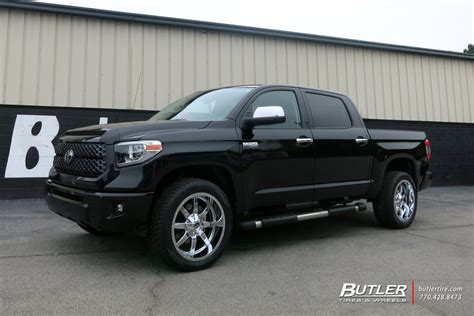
(55, 59)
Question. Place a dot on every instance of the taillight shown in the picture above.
(428, 149)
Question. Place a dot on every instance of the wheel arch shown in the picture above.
(397, 162)
(215, 173)
(405, 164)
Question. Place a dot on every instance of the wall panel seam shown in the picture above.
(22, 67)
(55, 57)
(40, 48)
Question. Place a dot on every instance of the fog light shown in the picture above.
(119, 208)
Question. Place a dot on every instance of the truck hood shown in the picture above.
(128, 131)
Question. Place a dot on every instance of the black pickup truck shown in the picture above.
(243, 156)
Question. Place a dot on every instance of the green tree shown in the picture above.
(469, 49)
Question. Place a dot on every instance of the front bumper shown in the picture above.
(100, 209)
(426, 182)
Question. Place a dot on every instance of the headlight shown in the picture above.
(130, 153)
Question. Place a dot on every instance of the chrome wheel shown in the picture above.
(198, 226)
(404, 200)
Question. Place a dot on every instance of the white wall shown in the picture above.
(61, 60)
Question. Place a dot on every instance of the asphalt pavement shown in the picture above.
(48, 265)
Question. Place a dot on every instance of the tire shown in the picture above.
(176, 224)
(396, 209)
(94, 231)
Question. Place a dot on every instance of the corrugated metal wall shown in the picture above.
(48, 59)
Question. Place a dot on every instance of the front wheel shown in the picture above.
(396, 204)
(190, 225)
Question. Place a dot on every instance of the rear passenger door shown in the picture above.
(341, 156)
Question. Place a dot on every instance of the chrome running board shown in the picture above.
(281, 219)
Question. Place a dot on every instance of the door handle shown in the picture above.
(304, 140)
(361, 141)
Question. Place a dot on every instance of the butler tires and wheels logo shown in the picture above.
(373, 293)
(397, 293)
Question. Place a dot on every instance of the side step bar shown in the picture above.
(274, 220)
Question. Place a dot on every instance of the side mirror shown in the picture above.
(265, 115)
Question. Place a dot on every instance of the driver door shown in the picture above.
(277, 160)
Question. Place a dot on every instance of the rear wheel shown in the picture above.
(396, 204)
(190, 225)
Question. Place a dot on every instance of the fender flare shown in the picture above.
(377, 183)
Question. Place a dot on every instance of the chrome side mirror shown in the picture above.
(269, 111)
(265, 115)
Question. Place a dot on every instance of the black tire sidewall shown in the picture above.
(194, 186)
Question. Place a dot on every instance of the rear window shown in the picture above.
(328, 111)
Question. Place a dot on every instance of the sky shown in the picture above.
(436, 24)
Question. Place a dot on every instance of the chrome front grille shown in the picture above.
(82, 159)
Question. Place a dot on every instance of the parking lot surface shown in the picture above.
(49, 265)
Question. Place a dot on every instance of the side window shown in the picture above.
(328, 111)
(286, 99)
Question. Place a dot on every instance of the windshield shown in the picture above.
(204, 106)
